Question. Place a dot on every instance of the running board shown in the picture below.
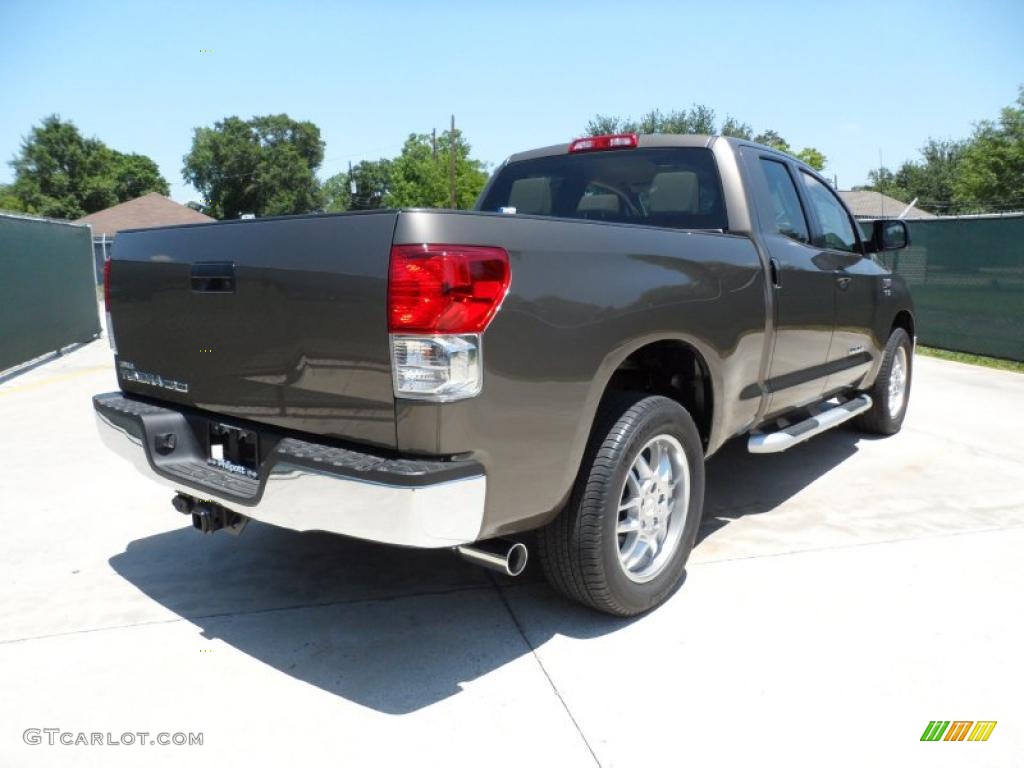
(774, 442)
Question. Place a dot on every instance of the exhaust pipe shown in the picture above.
(508, 557)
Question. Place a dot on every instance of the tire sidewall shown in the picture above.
(899, 338)
(667, 417)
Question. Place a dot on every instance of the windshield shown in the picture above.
(666, 187)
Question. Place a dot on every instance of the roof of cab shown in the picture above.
(645, 141)
(649, 140)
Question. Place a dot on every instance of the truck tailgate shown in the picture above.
(280, 321)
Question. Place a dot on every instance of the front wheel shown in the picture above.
(622, 543)
(891, 390)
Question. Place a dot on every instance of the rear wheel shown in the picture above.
(891, 390)
(622, 543)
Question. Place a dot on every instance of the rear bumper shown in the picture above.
(302, 485)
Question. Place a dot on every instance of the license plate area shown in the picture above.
(234, 450)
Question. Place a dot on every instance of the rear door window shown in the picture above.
(786, 209)
(675, 187)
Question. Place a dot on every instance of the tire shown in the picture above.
(580, 550)
(881, 418)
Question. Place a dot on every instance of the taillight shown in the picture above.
(106, 285)
(106, 304)
(613, 141)
(440, 299)
(445, 288)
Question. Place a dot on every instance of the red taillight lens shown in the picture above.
(445, 288)
(613, 141)
(106, 285)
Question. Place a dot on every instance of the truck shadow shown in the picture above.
(396, 629)
(392, 629)
(739, 483)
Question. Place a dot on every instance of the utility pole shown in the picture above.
(433, 141)
(881, 197)
(351, 186)
(451, 164)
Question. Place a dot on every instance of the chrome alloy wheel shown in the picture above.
(898, 382)
(653, 506)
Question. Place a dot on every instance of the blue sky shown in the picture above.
(851, 79)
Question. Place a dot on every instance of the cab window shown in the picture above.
(836, 228)
(675, 187)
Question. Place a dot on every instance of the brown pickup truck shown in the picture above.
(549, 370)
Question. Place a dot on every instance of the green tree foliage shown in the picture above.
(420, 176)
(982, 173)
(696, 119)
(135, 176)
(992, 167)
(372, 181)
(337, 195)
(8, 200)
(266, 166)
(417, 178)
(733, 127)
(772, 139)
(60, 173)
(812, 157)
(702, 120)
(931, 180)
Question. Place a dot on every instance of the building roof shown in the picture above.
(152, 210)
(866, 204)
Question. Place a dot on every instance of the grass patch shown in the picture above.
(966, 357)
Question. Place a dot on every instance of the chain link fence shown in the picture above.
(966, 276)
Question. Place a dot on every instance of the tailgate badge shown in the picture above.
(129, 373)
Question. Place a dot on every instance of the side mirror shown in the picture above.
(888, 235)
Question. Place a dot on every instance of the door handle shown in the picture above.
(843, 282)
(213, 277)
(775, 272)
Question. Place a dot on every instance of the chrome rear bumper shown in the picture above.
(305, 486)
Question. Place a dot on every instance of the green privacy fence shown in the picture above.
(966, 276)
(47, 288)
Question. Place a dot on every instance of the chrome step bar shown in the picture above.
(775, 442)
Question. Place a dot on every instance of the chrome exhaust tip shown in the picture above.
(507, 557)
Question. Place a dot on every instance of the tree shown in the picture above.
(62, 174)
(696, 119)
(992, 164)
(8, 200)
(701, 120)
(604, 125)
(419, 176)
(266, 166)
(733, 127)
(932, 180)
(772, 139)
(982, 173)
(372, 181)
(135, 176)
(812, 157)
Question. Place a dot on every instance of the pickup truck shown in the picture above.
(558, 362)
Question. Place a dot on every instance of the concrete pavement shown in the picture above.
(843, 594)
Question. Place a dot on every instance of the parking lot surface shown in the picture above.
(843, 594)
